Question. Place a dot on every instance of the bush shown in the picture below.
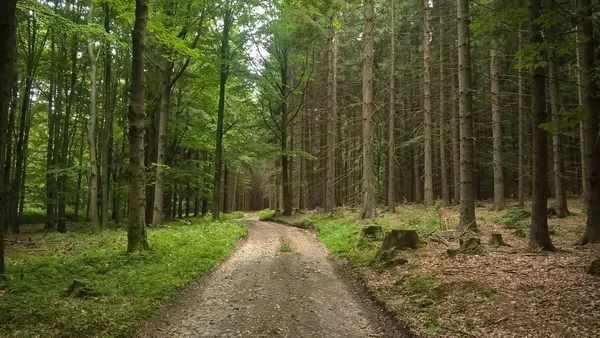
(266, 214)
(231, 216)
(514, 220)
(132, 286)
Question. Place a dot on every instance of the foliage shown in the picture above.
(132, 286)
(266, 214)
(231, 216)
(514, 219)
(285, 248)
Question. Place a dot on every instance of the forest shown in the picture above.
(141, 142)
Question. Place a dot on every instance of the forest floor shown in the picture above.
(279, 283)
(121, 290)
(501, 291)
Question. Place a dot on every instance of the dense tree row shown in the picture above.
(163, 108)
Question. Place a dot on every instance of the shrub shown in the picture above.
(266, 214)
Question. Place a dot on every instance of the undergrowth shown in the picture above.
(132, 286)
(231, 216)
(266, 214)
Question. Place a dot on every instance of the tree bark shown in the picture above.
(521, 108)
(8, 29)
(136, 232)
(499, 201)
(107, 129)
(92, 125)
(225, 66)
(331, 118)
(428, 188)
(467, 200)
(560, 193)
(455, 141)
(442, 117)
(539, 237)
(588, 76)
(391, 198)
(368, 188)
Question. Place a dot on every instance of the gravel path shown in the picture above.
(262, 292)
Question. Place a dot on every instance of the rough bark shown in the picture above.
(227, 22)
(107, 129)
(391, 186)
(499, 201)
(582, 143)
(455, 141)
(163, 118)
(92, 129)
(7, 78)
(560, 192)
(136, 231)
(368, 187)
(428, 188)
(521, 108)
(442, 117)
(588, 76)
(467, 220)
(331, 118)
(539, 237)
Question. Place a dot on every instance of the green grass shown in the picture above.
(266, 214)
(132, 285)
(231, 216)
(285, 248)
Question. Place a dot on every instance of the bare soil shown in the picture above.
(261, 291)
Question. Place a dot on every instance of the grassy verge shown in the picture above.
(266, 214)
(132, 287)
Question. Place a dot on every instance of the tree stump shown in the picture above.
(594, 268)
(470, 245)
(79, 289)
(496, 239)
(401, 239)
(372, 231)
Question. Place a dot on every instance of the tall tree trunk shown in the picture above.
(92, 125)
(331, 118)
(428, 189)
(467, 200)
(391, 198)
(455, 140)
(165, 98)
(225, 66)
(368, 187)
(588, 76)
(226, 191)
(582, 143)
(136, 232)
(107, 129)
(539, 237)
(442, 117)
(560, 192)
(8, 29)
(499, 201)
(521, 104)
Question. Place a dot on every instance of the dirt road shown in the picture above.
(263, 292)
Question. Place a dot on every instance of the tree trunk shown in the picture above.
(588, 80)
(455, 141)
(226, 191)
(136, 232)
(368, 187)
(225, 54)
(499, 202)
(7, 77)
(428, 189)
(107, 129)
(331, 118)
(560, 193)
(467, 201)
(391, 186)
(442, 118)
(50, 214)
(92, 122)
(582, 143)
(163, 118)
(539, 238)
(521, 108)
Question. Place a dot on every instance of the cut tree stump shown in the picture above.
(372, 231)
(79, 289)
(470, 245)
(594, 268)
(401, 239)
(496, 239)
